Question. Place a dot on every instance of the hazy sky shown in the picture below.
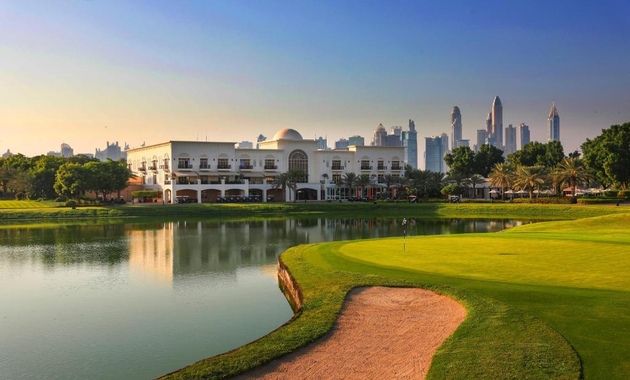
(87, 72)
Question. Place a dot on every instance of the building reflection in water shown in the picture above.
(187, 248)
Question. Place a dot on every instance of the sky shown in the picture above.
(88, 72)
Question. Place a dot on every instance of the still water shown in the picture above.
(135, 301)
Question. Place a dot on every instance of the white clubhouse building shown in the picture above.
(203, 171)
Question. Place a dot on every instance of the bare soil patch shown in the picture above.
(381, 333)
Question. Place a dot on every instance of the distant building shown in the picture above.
(66, 151)
(245, 145)
(381, 138)
(322, 143)
(410, 144)
(482, 138)
(456, 127)
(7, 154)
(510, 140)
(112, 152)
(524, 132)
(553, 128)
(496, 135)
(434, 153)
(342, 144)
(260, 139)
(356, 140)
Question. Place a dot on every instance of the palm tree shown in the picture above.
(349, 180)
(363, 181)
(389, 181)
(529, 177)
(572, 172)
(473, 181)
(501, 176)
(288, 180)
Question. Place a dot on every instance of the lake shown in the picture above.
(136, 301)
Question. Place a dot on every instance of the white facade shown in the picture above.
(207, 171)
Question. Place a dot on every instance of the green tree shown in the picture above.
(72, 180)
(537, 154)
(608, 155)
(461, 161)
(529, 178)
(43, 173)
(349, 181)
(571, 171)
(21, 183)
(485, 159)
(554, 154)
(6, 175)
(501, 176)
(288, 180)
(363, 181)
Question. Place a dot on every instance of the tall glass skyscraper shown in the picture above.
(410, 143)
(456, 127)
(497, 123)
(554, 124)
(524, 132)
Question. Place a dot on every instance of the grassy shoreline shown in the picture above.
(306, 210)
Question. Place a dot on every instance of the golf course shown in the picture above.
(544, 300)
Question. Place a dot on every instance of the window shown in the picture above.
(336, 178)
(336, 165)
(203, 163)
(245, 164)
(396, 165)
(222, 163)
(270, 164)
(184, 163)
(298, 160)
(365, 165)
(381, 165)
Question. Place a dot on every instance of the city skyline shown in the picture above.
(83, 73)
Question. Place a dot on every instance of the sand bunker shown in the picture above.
(381, 333)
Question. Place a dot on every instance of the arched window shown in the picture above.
(298, 160)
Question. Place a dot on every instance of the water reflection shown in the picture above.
(141, 300)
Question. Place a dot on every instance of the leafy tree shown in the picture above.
(6, 175)
(43, 174)
(21, 183)
(288, 180)
(349, 180)
(452, 189)
(485, 159)
(572, 171)
(461, 161)
(72, 180)
(608, 155)
(537, 154)
(529, 177)
(501, 176)
(554, 154)
(389, 181)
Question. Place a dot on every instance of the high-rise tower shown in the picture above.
(524, 132)
(554, 124)
(510, 140)
(497, 123)
(410, 143)
(456, 127)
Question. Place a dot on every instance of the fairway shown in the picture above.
(16, 205)
(574, 276)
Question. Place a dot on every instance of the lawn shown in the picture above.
(545, 300)
(18, 205)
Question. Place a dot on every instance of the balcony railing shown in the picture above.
(246, 167)
(381, 167)
(224, 167)
(366, 167)
(271, 167)
(204, 167)
(337, 167)
(188, 166)
(396, 167)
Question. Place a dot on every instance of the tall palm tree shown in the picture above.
(501, 176)
(288, 180)
(349, 180)
(363, 181)
(473, 181)
(572, 171)
(529, 177)
(389, 180)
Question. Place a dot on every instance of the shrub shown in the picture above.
(611, 193)
(624, 194)
(60, 199)
(20, 196)
(544, 200)
(596, 201)
(72, 204)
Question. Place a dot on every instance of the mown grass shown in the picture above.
(547, 300)
(310, 209)
(17, 205)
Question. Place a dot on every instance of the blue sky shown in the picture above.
(87, 72)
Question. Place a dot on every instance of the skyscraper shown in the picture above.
(410, 143)
(433, 154)
(524, 132)
(356, 140)
(456, 127)
(554, 124)
(497, 123)
(510, 140)
(482, 138)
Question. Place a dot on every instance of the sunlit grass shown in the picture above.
(17, 205)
